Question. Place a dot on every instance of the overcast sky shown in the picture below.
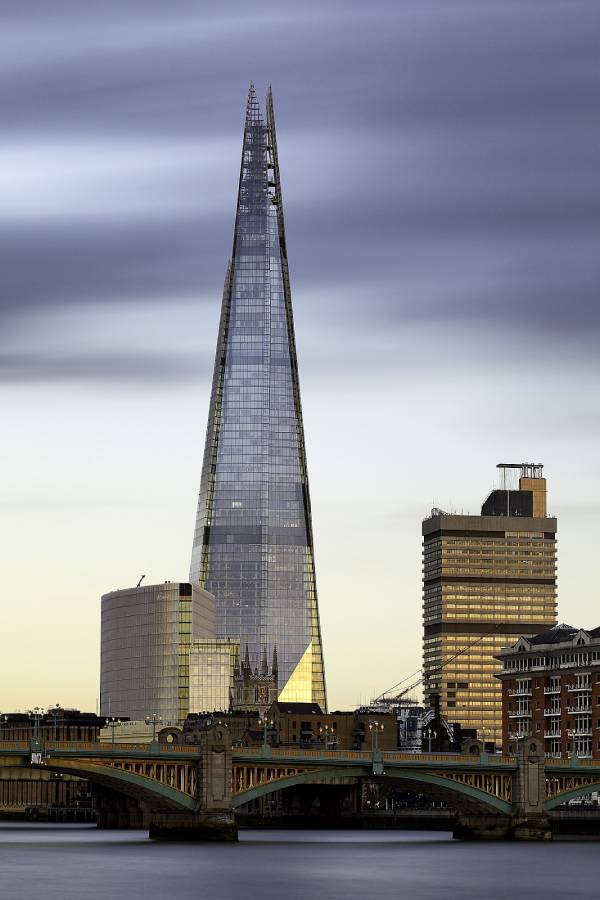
(440, 174)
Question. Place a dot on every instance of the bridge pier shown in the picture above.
(115, 810)
(473, 827)
(214, 819)
(182, 826)
(529, 821)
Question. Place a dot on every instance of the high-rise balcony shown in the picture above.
(586, 731)
(552, 712)
(520, 692)
(573, 688)
(579, 709)
(520, 714)
(552, 690)
(552, 734)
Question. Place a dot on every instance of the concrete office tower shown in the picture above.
(487, 580)
(253, 542)
(212, 668)
(146, 633)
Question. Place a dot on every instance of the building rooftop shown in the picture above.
(555, 635)
(310, 709)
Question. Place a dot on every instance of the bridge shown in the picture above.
(192, 791)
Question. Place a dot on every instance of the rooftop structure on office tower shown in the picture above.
(487, 580)
(253, 542)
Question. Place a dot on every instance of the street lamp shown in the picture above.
(54, 713)
(431, 736)
(266, 724)
(375, 728)
(114, 722)
(36, 712)
(325, 731)
(154, 718)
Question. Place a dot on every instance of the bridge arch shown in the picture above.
(565, 796)
(465, 794)
(139, 787)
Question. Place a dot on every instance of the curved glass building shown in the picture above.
(146, 635)
(253, 543)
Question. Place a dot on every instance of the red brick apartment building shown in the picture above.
(551, 690)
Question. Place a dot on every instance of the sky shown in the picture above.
(439, 164)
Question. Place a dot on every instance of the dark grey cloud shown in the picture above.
(443, 156)
(135, 367)
(111, 261)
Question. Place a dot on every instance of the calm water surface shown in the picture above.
(67, 861)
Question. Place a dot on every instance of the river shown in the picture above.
(59, 862)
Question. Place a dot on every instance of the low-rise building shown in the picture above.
(125, 731)
(409, 714)
(306, 725)
(551, 690)
(64, 792)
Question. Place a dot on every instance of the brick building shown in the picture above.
(306, 725)
(551, 690)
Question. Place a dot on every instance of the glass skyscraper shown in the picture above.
(253, 542)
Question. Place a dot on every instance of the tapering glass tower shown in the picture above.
(253, 543)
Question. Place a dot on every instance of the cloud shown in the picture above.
(109, 368)
(438, 160)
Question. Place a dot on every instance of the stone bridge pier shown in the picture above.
(528, 820)
(117, 810)
(214, 819)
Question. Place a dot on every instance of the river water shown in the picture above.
(54, 862)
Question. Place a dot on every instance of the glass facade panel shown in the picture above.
(212, 668)
(253, 545)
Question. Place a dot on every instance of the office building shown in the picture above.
(487, 580)
(146, 634)
(253, 541)
(551, 690)
(213, 664)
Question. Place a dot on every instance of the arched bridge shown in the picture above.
(473, 782)
(163, 776)
(184, 788)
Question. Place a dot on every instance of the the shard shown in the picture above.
(253, 542)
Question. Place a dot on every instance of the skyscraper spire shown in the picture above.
(253, 543)
(253, 114)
